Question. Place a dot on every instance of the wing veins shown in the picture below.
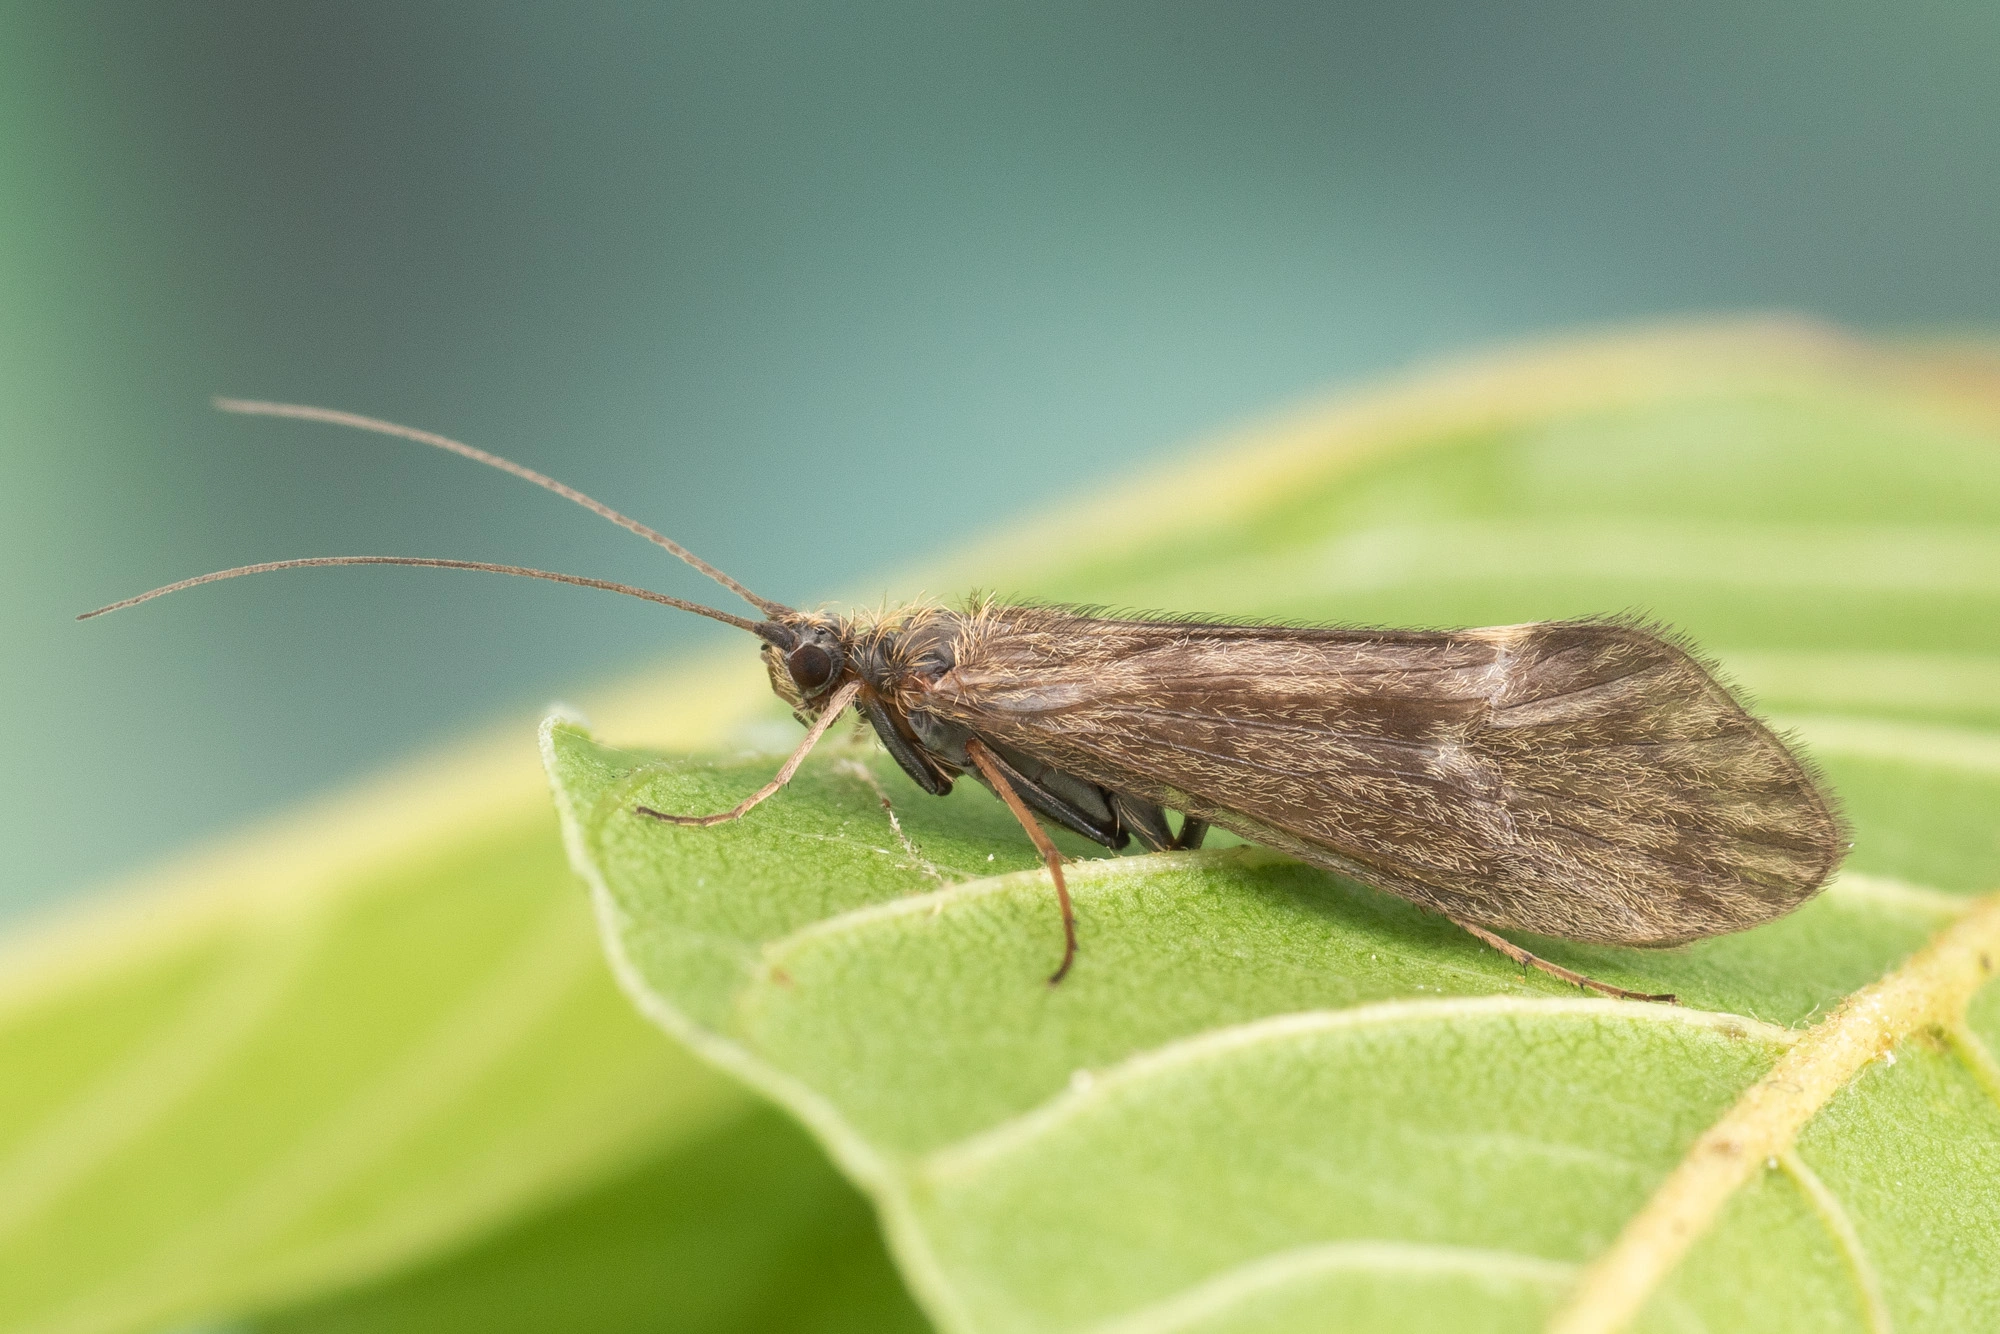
(1261, 724)
(1349, 797)
(1671, 870)
(1586, 688)
(1650, 822)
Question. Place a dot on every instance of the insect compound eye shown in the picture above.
(812, 667)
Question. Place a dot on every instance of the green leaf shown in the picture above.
(371, 1046)
(1268, 1099)
(746, 1228)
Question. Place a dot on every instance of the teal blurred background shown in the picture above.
(815, 290)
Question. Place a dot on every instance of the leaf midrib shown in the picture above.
(1929, 992)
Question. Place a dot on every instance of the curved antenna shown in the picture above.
(760, 629)
(301, 412)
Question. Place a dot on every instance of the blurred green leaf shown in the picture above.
(746, 1228)
(1269, 1099)
(376, 1034)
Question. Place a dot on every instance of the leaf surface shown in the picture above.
(1265, 1095)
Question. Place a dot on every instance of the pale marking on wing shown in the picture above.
(1968, 749)
(125, 1101)
(1976, 1056)
(1455, 791)
(1572, 800)
(469, 1041)
(1500, 809)
(1244, 762)
(1833, 1214)
(1877, 891)
(1359, 738)
(1498, 674)
(1217, 1294)
(1577, 694)
(1306, 730)
(976, 1151)
(1930, 991)
(1346, 764)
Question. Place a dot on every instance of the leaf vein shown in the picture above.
(1929, 991)
(1899, 896)
(1833, 1214)
(975, 1151)
(1976, 1056)
(1216, 1294)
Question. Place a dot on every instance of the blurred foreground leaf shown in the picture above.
(1268, 1099)
(744, 1229)
(379, 1040)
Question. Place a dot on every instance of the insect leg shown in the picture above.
(1076, 804)
(1146, 821)
(1149, 822)
(827, 717)
(1527, 960)
(906, 753)
(1052, 857)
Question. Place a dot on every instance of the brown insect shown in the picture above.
(1583, 779)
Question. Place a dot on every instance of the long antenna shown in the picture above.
(301, 412)
(309, 562)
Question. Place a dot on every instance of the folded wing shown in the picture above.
(1585, 779)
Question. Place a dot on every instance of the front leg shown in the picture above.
(834, 708)
(907, 750)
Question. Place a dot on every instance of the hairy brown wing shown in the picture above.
(1587, 779)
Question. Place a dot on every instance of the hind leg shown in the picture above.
(1148, 823)
(1569, 975)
